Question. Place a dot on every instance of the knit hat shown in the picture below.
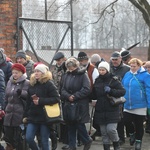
(115, 55)
(95, 58)
(125, 55)
(82, 56)
(21, 54)
(41, 67)
(105, 65)
(19, 67)
(58, 56)
(37, 63)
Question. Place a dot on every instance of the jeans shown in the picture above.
(72, 133)
(31, 132)
(109, 133)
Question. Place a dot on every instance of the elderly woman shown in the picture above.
(42, 91)
(137, 85)
(16, 93)
(75, 89)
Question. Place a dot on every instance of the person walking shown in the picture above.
(137, 85)
(75, 89)
(16, 93)
(106, 115)
(42, 91)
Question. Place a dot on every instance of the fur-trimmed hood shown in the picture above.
(45, 77)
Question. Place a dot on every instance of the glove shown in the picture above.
(19, 92)
(148, 111)
(2, 114)
(107, 89)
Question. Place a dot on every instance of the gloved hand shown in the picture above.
(2, 114)
(148, 111)
(19, 92)
(107, 89)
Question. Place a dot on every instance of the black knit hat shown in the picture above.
(125, 55)
(82, 56)
(21, 54)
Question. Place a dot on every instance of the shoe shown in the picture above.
(88, 145)
(65, 147)
(138, 144)
(132, 138)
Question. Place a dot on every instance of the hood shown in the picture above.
(2, 58)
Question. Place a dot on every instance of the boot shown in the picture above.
(138, 144)
(106, 146)
(132, 138)
(116, 145)
(53, 136)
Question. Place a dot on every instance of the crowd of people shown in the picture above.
(26, 86)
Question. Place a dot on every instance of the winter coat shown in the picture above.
(104, 112)
(77, 83)
(5, 66)
(47, 93)
(14, 107)
(137, 89)
(2, 88)
(119, 71)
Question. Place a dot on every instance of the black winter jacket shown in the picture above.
(104, 112)
(77, 83)
(47, 93)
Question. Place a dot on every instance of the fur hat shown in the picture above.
(18, 67)
(82, 56)
(95, 58)
(41, 67)
(21, 54)
(105, 65)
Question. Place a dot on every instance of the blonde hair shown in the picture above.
(135, 61)
(44, 78)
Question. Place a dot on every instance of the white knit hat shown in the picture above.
(105, 65)
(41, 67)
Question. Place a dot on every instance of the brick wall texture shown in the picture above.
(8, 26)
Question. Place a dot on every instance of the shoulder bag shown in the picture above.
(53, 113)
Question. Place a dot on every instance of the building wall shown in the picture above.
(8, 26)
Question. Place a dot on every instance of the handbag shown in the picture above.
(116, 101)
(53, 113)
(71, 112)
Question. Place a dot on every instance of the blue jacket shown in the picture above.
(137, 89)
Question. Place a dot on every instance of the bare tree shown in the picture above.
(144, 7)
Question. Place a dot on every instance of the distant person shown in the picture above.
(5, 65)
(23, 59)
(96, 60)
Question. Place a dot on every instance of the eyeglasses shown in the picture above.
(114, 59)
